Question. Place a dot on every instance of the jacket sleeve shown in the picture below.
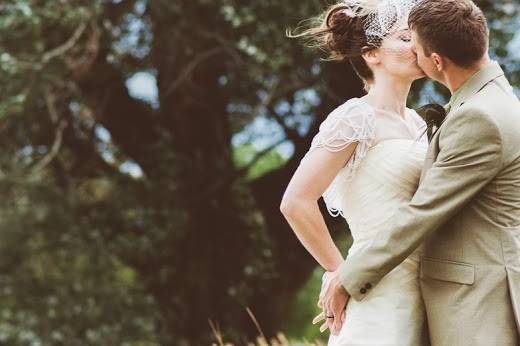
(470, 156)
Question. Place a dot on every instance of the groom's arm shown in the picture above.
(470, 156)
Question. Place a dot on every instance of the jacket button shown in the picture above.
(363, 290)
(368, 286)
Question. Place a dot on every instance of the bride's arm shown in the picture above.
(300, 203)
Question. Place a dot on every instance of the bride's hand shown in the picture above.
(333, 300)
(325, 283)
(321, 317)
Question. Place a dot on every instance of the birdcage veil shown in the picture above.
(383, 16)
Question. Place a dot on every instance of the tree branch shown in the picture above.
(58, 134)
(240, 173)
(60, 50)
(245, 169)
(290, 132)
(186, 73)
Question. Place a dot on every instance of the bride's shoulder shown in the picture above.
(354, 104)
(353, 109)
(419, 121)
(350, 122)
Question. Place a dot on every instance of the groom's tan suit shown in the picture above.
(466, 212)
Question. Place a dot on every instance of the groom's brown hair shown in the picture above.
(456, 29)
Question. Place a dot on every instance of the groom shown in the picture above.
(466, 210)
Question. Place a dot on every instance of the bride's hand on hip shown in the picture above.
(325, 282)
(333, 299)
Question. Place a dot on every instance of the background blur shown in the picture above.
(145, 147)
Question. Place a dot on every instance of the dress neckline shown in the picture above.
(405, 120)
(404, 117)
(391, 140)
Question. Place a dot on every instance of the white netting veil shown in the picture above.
(383, 16)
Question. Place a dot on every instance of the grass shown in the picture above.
(261, 340)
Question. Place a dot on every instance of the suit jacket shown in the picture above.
(466, 215)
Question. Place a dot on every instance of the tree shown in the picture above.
(139, 212)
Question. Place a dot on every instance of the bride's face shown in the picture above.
(397, 56)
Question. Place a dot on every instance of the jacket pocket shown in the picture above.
(444, 270)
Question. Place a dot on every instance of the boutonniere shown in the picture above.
(433, 114)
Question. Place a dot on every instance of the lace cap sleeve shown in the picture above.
(353, 121)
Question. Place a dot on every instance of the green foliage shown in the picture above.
(126, 224)
(244, 154)
(61, 285)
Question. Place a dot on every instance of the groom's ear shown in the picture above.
(370, 55)
(438, 61)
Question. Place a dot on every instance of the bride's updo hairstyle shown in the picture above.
(352, 27)
(340, 31)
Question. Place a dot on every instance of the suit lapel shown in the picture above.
(477, 82)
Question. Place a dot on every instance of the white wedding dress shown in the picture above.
(382, 174)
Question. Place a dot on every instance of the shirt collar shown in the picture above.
(474, 84)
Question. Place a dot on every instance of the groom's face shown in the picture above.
(425, 62)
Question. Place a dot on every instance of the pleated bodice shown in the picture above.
(387, 177)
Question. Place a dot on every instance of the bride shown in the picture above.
(365, 161)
